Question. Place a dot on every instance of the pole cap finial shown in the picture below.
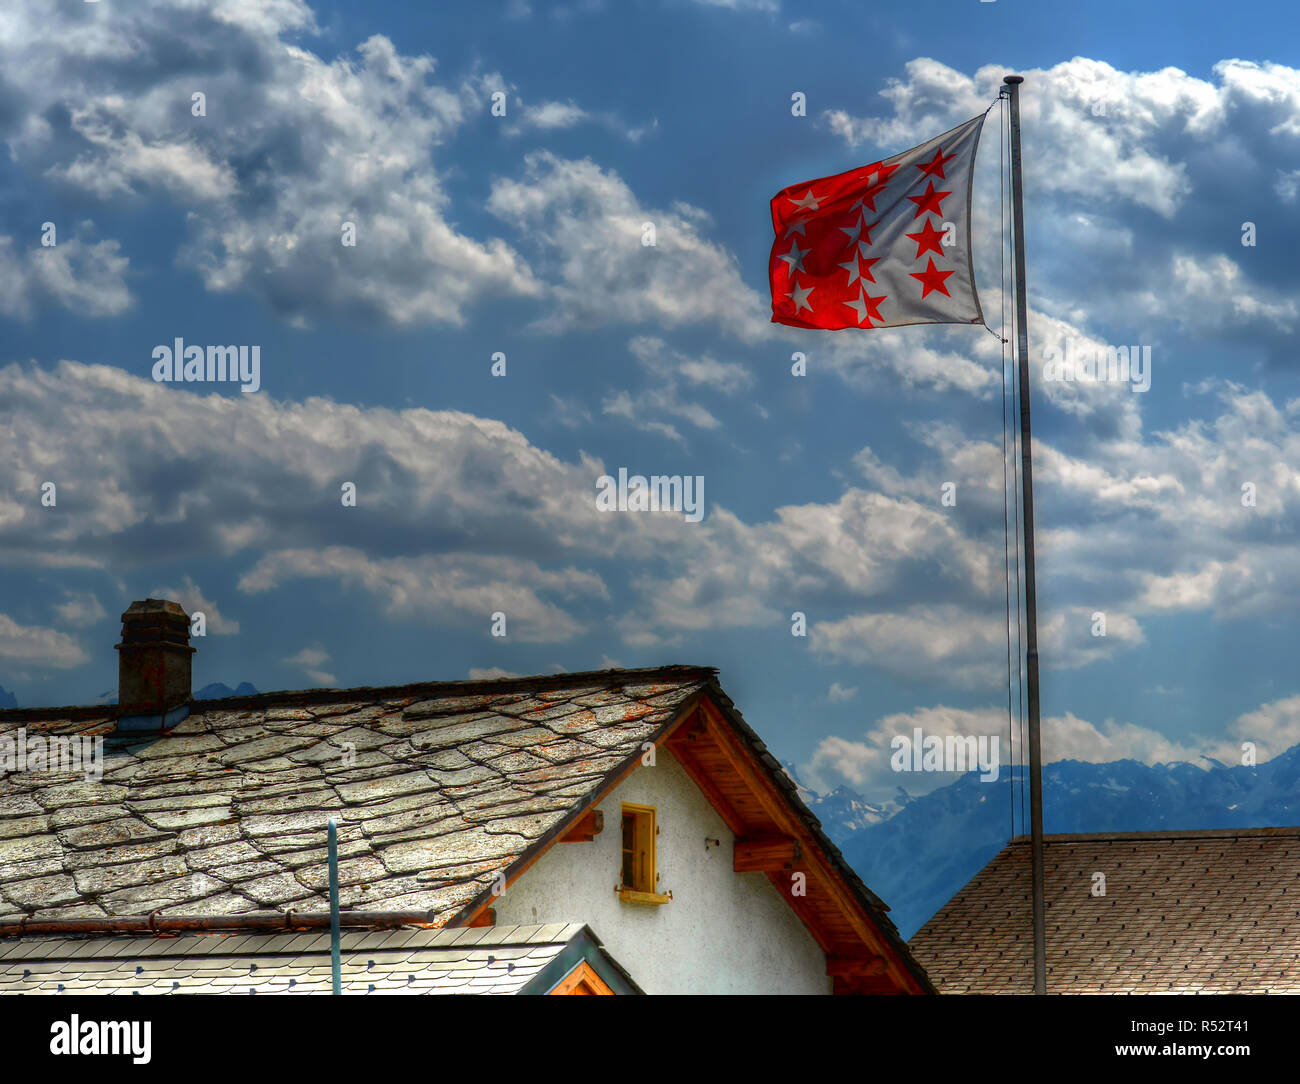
(1013, 80)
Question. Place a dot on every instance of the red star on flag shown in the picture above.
(927, 202)
(933, 279)
(934, 167)
(836, 235)
(928, 240)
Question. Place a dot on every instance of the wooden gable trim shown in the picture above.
(582, 980)
(683, 742)
(714, 731)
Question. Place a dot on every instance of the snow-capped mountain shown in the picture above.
(843, 812)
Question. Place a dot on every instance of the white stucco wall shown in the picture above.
(723, 932)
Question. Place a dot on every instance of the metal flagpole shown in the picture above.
(1027, 502)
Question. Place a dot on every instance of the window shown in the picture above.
(639, 848)
(639, 883)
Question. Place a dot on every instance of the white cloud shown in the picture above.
(1077, 636)
(1056, 105)
(864, 764)
(838, 694)
(1117, 159)
(568, 412)
(292, 146)
(312, 660)
(1217, 293)
(742, 5)
(442, 590)
(477, 519)
(248, 472)
(559, 116)
(660, 360)
(489, 673)
(589, 226)
(123, 161)
(551, 115)
(1274, 728)
(937, 643)
(1175, 508)
(32, 645)
(666, 397)
(80, 608)
(88, 278)
(192, 599)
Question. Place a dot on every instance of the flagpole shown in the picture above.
(1027, 502)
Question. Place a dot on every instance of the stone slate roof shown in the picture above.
(437, 788)
(1207, 912)
(489, 960)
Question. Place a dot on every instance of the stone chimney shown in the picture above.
(153, 662)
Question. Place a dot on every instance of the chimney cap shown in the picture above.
(155, 606)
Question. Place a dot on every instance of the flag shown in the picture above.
(881, 245)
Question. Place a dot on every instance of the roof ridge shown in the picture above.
(1188, 833)
(426, 689)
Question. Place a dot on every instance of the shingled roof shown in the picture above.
(497, 960)
(1183, 912)
(440, 790)
(437, 788)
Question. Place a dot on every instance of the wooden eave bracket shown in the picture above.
(766, 854)
(855, 967)
(486, 917)
(587, 828)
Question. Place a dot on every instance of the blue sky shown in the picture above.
(521, 234)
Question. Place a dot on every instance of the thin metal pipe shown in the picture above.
(336, 958)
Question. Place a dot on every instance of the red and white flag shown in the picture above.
(882, 245)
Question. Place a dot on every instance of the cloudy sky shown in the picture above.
(1153, 134)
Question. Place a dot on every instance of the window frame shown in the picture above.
(645, 846)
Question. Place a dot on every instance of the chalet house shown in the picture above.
(620, 831)
(1182, 912)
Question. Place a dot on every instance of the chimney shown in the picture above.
(153, 684)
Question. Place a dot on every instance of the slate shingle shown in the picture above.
(1208, 912)
(411, 961)
(436, 788)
